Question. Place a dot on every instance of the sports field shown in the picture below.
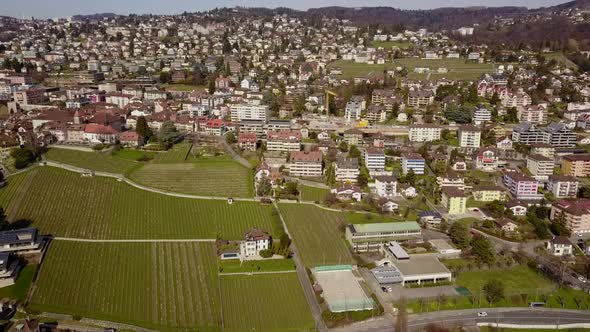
(316, 234)
(209, 178)
(98, 161)
(460, 69)
(313, 194)
(65, 204)
(164, 286)
(270, 302)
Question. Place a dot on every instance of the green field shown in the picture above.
(98, 161)
(211, 178)
(313, 194)
(237, 266)
(459, 69)
(63, 203)
(517, 279)
(316, 234)
(177, 154)
(164, 286)
(269, 302)
(134, 154)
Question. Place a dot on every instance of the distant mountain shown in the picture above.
(92, 17)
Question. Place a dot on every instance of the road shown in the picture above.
(522, 316)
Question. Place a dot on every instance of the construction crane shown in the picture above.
(328, 94)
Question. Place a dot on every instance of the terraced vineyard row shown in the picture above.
(165, 286)
(208, 178)
(176, 154)
(98, 161)
(316, 234)
(273, 303)
(63, 203)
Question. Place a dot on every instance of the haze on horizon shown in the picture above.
(65, 8)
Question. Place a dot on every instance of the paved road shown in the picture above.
(254, 273)
(522, 316)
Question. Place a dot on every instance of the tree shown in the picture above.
(496, 208)
(494, 290)
(230, 138)
(495, 99)
(354, 152)
(168, 134)
(343, 147)
(22, 157)
(363, 177)
(410, 177)
(459, 235)
(330, 175)
(142, 128)
(482, 249)
(264, 187)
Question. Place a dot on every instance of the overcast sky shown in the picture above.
(64, 8)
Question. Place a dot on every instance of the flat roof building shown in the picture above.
(370, 237)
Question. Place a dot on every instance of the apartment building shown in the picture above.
(481, 115)
(486, 159)
(454, 200)
(347, 170)
(522, 186)
(540, 166)
(29, 96)
(376, 113)
(576, 214)
(424, 133)
(469, 137)
(283, 141)
(252, 126)
(537, 114)
(241, 112)
(488, 193)
(555, 134)
(247, 141)
(544, 149)
(386, 186)
(563, 186)
(305, 164)
(375, 159)
(576, 165)
(414, 162)
(379, 96)
(353, 110)
(420, 98)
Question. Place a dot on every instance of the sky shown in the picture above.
(65, 8)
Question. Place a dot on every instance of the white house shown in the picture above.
(386, 186)
(254, 242)
(560, 246)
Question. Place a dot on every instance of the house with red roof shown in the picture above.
(97, 133)
(247, 141)
(130, 138)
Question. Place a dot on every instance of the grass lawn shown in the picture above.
(313, 194)
(366, 218)
(269, 302)
(183, 87)
(516, 279)
(224, 178)
(235, 266)
(136, 155)
(476, 204)
(163, 286)
(316, 234)
(177, 154)
(483, 176)
(98, 161)
(63, 203)
(467, 221)
(351, 69)
(19, 290)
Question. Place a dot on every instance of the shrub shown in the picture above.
(98, 147)
(266, 253)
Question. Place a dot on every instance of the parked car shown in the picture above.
(482, 314)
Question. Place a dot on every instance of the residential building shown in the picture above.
(247, 141)
(540, 166)
(424, 133)
(31, 96)
(563, 186)
(560, 246)
(576, 165)
(486, 159)
(518, 208)
(254, 242)
(353, 136)
(130, 138)
(19, 240)
(431, 219)
(451, 179)
(575, 213)
(347, 170)
(413, 161)
(285, 141)
(488, 193)
(555, 134)
(371, 237)
(454, 200)
(506, 225)
(348, 192)
(241, 112)
(481, 115)
(420, 98)
(305, 164)
(97, 133)
(534, 114)
(375, 159)
(469, 137)
(544, 149)
(522, 186)
(353, 110)
(386, 186)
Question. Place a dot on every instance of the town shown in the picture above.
(279, 170)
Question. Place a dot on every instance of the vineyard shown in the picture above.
(270, 302)
(63, 203)
(177, 154)
(316, 234)
(164, 286)
(96, 161)
(210, 178)
(313, 194)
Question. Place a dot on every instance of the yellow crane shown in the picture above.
(328, 94)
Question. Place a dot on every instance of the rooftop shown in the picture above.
(387, 227)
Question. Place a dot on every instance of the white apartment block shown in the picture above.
(414, 162)
(353, 110)
(283, 141)
(424, 133)
(305, 164)
(347, 170)
(241, 112)
(375, 159)
(563, 186)
(469, 137)
(386, 186)
(481, 115)
(540, 166)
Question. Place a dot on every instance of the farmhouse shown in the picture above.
(370, 237)
(254, 242)
(19, 240)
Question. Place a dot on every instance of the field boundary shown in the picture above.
(132, 240)
(254, 273)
